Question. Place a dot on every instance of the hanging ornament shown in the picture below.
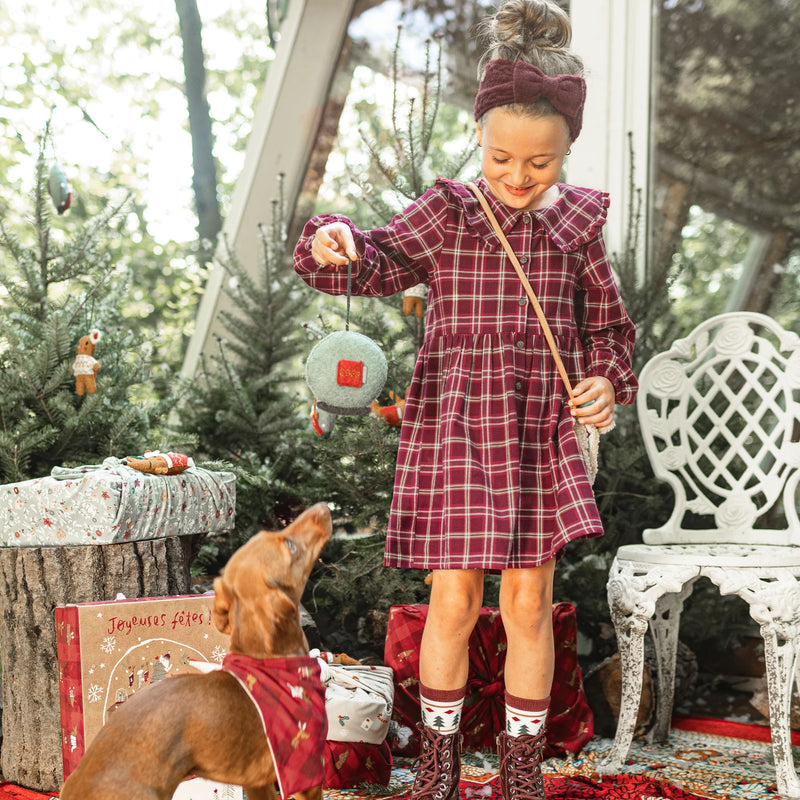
(393, 414)
(59, 188)
(346, 370)
(85, 366)
(414, 301)
(322, 421)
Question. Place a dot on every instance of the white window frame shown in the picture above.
(615, 40)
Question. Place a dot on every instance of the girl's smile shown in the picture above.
(522, 157)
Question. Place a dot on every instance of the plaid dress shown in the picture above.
(489, 473)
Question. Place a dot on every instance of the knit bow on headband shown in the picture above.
(505, 82)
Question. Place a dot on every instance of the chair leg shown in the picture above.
(664, 627)
(634, 591)
(781, 661)
(630, 640)
(774, 603)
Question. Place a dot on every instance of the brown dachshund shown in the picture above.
(206, 725)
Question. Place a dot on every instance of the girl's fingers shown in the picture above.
(330, 244)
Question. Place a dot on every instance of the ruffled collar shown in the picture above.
(573, 220)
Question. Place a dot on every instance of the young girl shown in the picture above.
(489, 472)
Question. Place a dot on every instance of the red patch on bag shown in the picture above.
(350, 373)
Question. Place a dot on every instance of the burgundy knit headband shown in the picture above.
(506, 82)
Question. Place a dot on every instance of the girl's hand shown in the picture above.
(330, 244)
(601, 411)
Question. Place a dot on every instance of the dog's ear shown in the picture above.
(223, 602)
(268, 626)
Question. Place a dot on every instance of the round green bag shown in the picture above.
(346, 371)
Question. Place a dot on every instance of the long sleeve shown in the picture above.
(390, 259)
(606, 330)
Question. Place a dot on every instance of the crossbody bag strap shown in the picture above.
(548, 335)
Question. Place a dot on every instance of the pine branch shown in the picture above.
(429, 116)
(395, 79)
(412, 155)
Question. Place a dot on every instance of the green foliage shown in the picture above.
(388, 166)
(243, 405)
(58, 281)
(350, 581)
(407, 156)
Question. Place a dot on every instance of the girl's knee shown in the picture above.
(456, 599)
(526, 598)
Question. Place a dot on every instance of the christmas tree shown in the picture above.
(243, 407)
(59, 284)
(354, 467)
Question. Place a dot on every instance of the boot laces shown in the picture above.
(521, 763)
(434, 767)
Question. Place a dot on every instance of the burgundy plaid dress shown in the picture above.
(489, 473)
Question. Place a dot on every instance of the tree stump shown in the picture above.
(33, 581)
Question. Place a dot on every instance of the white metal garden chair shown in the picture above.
(720, 417)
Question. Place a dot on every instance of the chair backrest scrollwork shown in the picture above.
(720, 418)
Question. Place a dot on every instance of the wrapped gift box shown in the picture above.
(111, 503)
(349, 764)
(109, 651)
(358, 701)
(570, 723)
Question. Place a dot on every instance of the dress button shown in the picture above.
(520, 344)
(523, 259)
(519, 386)
(522, 301)
(526, 218)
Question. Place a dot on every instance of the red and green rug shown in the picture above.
(703, 759)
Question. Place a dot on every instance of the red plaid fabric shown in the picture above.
(570, 723)
(350, 764)
(489, 473)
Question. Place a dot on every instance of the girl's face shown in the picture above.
(522, 156)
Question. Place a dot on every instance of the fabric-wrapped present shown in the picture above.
(112, 502)
(358, 701)
(349, 764)
(570, 722)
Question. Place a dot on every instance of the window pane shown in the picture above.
(727, 170)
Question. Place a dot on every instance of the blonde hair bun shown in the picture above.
(536, 31)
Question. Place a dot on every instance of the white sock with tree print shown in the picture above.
(525, 717)
(441, 708)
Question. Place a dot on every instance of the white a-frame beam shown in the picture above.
(283, 134)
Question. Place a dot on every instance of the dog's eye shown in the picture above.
(291, 545)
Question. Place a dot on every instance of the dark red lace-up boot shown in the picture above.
(438, 768)
(520, 766)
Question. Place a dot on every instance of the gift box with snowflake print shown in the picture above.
(109, 651)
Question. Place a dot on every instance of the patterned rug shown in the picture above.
(479, 783)
(698, 762)
(703, 759)
(712, 759)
